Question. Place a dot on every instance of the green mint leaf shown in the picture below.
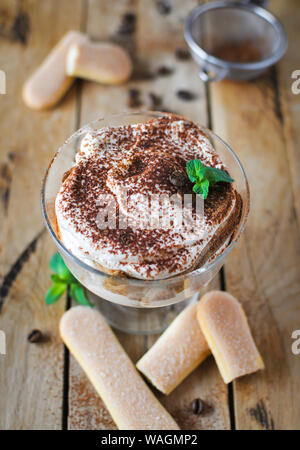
(202, 188)
(56, 278)
(204, 176)
(57, 265)
(198, 189)
(55, 292)
(215, 175)
(77, 293)
(198, 167)
(205, 187)
(194, 169)
(62, 278)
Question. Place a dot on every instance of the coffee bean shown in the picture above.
(34, 336)
(197, 406)
(153, 101)
(163, 7)
(133, 99)
(133, 92)
(164, 71)
(182, 54)
(129, 17)
(185, 95)
(128, 24)
(178, 179)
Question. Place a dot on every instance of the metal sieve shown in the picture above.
(234, 40)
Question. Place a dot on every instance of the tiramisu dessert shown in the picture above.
(124, 172)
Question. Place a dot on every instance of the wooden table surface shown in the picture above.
(41, 386)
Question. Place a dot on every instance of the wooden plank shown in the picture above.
(263, 270)
(31, 380)
(153, 44)
(159, 38)
(31, 374)
(86, 409)
(290, 17)
(37, 134)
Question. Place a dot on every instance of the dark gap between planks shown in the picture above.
(66, 372)
(65, 399)
(222, 277)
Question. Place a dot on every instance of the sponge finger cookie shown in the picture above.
(179, 350)
(103, 62)
(226, 330)
(129, 400)
(49, 82)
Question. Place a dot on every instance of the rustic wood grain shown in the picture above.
(31, 381)
(31, 384)
(290, 18)
(259, 119)
(85, 408)
(152, 43)
(263, 270)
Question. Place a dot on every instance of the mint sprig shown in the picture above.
(62, 279)
(205, 176)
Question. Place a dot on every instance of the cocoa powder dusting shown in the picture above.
(144, 161)
(239, 52)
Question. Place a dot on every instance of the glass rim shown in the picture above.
(200, 270)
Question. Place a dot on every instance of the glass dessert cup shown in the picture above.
(129, 304)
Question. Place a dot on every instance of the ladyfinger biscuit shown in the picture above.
(178, 351)
(104, 62)
(127, 397)
(225, 327)
(49, 82)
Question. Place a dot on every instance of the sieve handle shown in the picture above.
(203, 74)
